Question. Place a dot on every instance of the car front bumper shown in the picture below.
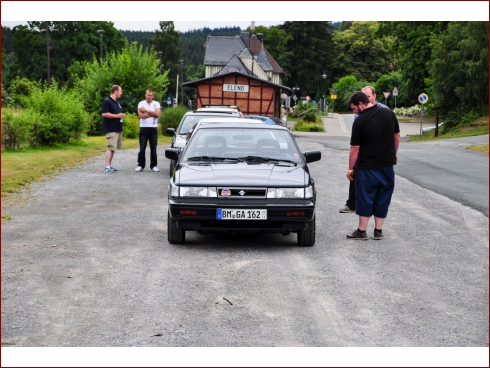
(300, 212)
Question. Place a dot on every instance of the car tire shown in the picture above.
(174, 234)
(306, 238)
(172, 167)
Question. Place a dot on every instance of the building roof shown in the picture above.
(235, 65)
(219, 49)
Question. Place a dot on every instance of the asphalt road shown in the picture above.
(86, 263)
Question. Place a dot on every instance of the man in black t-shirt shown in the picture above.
(112, 126)
(374, 146)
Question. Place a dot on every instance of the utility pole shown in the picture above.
(101, 33)
(48, 80)
(182, 77)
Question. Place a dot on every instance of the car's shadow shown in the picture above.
(249, 241)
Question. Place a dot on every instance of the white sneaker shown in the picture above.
(155, 169)
(139, 168)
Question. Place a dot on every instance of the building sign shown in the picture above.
(235, 87)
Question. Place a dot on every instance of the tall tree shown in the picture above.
(312, 46)
(68, 42)
(459, 69)
(357, 53)
(412, 50)
(167, 40)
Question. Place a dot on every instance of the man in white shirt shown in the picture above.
(148, 111)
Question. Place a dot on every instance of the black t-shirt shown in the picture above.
(373, 130)
(111, 125)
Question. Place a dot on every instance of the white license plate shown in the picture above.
(234, 214)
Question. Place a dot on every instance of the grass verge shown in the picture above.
(24, 166)
(478, 127)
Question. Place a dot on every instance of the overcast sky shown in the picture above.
(188, 15)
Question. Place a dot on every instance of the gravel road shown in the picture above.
(86, 263)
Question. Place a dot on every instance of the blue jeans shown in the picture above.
(148, 134)
(374, 189)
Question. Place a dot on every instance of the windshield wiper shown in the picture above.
(210, 158)
(266, 159)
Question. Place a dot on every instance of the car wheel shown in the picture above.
(306, 238)
(172, 167)
(174, 234)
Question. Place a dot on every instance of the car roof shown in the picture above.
(240, 124)
(229, 120)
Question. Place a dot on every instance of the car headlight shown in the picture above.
(176, 191)
(290, 192)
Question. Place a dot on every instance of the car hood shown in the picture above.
(241, 174)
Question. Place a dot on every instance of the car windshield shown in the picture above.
(252, 145)
(191, 120)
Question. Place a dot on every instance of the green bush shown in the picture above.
(20, 88)
(303, 126)
(16, 127)
(309, 117)
(131, 126)
(170, 118)
(59, 116)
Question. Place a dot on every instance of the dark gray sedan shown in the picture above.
(242, 178)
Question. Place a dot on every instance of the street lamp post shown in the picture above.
(182, 80)
(101, 33)
(160, 55)
(324, 75)
(295, 89)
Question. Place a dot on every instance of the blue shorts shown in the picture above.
(374, 189)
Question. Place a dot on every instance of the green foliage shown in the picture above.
(21, 88)
(16, 127)
(309, 117)
(167, 40)
(131, 128)
(61, 116)
(358, 53)
(51, 115)
(132, 69)
(346, 86)
(170, 118)
(311, 51)
(407, 111)
(68, 42)
(386, 84)
(413, 49)
(303, 126)
(459, 71)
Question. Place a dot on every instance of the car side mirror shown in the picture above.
(170, 131)
(312, 156)
(172, 153)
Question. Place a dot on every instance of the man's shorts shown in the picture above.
(114, 141)
(374, 189)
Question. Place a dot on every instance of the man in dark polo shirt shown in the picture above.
(374, 146)
(112, 126)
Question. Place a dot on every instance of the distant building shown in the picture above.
(241, 72)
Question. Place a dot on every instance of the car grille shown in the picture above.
(249, 193)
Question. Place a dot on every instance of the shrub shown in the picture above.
(131, 126)
(309, 117)
(407, 111)
(16, 127)
(303, 126)
(170, 118)
(60, 116)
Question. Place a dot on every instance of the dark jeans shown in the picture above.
(148, 134)
(351, 201)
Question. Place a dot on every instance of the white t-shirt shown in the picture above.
(150, 122)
